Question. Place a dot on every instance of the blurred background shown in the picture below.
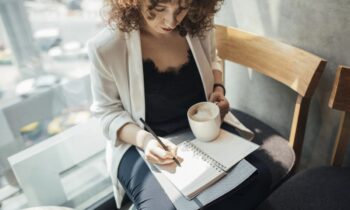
(43, 71)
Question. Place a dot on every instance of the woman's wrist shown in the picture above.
(219, 87)
(145, 137)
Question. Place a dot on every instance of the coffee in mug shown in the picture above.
(204, 120)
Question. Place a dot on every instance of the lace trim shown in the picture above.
(170, 69)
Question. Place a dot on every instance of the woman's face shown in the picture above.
(164, 18)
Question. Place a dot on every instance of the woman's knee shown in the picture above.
(140, 184)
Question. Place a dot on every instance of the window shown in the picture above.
(44, 70)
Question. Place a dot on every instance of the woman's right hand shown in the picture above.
(155, 153)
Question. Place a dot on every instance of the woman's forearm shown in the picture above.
(217, 76)
(133, 134)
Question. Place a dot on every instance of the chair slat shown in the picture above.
(289, 65)
(340, 96)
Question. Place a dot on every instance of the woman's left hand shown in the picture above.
(219, 99)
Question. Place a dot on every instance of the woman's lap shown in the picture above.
(146, 193)
(140, 184)
(250, 193)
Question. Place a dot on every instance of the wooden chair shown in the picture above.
(324, 187)
(293, 67)
(340, 100)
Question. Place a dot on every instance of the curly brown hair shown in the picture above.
(126, 15)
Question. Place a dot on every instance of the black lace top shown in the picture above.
(168, 95)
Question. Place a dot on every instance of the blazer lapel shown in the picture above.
(135, 70)
(203, 64)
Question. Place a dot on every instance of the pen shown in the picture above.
(159, 141)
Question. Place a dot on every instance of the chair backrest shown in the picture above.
(340, 100)
(296, 68)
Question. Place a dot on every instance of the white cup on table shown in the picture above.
(204, 120)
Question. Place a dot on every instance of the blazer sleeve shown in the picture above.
(106, 105)
(211, 51)
(216, 60)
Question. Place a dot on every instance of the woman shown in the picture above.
(156, 60)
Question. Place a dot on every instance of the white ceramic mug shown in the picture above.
(204, 120)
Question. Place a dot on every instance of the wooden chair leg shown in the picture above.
(342, 140)
(297, 132)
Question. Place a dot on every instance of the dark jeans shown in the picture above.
(146, 193)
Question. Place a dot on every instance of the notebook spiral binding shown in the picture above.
(212, 162)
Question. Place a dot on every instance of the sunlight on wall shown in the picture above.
(266, 15)
(274, 10)
(250, 73)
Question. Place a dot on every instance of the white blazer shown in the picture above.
(118, 86)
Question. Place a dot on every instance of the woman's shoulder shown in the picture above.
(106, 40)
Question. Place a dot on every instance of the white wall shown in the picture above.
(321, 27)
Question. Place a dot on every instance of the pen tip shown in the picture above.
(177, 162)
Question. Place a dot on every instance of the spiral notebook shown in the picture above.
(204, 163)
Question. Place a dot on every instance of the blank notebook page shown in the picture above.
(194, 175)
(228, 149)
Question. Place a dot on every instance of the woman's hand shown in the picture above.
(156, 154)
(219, 99)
